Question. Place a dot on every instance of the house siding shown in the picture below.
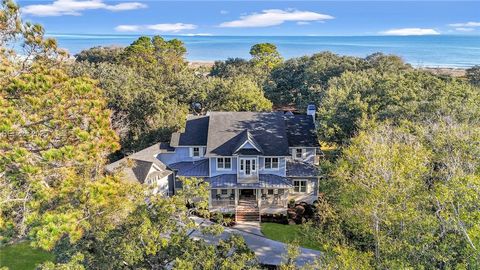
(180, 154)
(308, 154)
(312, 191)
(282, 167)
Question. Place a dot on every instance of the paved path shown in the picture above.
(268, 251)
(252, 227)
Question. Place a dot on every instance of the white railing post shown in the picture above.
(236, 203)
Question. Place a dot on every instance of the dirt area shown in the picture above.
(455, 72)
(196, 64)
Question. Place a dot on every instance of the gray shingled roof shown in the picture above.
(264, 181)
(195, 134)
(301, 131)
(267, 129)
(298, 168)
(197, 168)
(246, 137)
(248, 152)
(136, 166)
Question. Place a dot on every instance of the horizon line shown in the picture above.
(215, 35)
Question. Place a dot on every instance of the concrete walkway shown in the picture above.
(252, 227)
(268, 251)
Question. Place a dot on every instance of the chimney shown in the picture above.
(311, 110)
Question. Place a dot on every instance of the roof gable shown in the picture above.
(246, 141)
(138, 166)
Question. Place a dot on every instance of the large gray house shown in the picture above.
(255, 162)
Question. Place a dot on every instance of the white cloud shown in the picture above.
(126, 6)
(223, 12)
(410, 32)
(162, 27)
(273, 17)
(465, 29)
(74, 7)
(467, 24)
(303, 23)
(171, 27)
(127, 28)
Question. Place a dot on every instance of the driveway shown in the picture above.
(268, 251)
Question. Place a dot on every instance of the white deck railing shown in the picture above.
(222, 203)
(272, 202)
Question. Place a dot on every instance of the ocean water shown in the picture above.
(426, 51)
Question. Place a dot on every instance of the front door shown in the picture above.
(247, 193)
(248, 166)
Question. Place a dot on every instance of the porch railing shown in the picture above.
(273, 202)
(222, 203)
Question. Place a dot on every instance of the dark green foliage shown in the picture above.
(100, 55)
(232, 67)
(150, 89)
(300, 81)
(265, 56)
(354, 97)
(473, 75)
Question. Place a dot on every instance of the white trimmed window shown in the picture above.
(271, 163)
(298, 153)
(300, 186)
(196, 152)
(224, 163)
(248, 166)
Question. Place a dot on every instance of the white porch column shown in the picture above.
(236, 197)
(258, 195)
(210, 200)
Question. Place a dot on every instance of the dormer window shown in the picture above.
(298, 153)
(196, 152)
(271, 163)
(224, 163)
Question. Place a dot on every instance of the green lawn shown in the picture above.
(22, 256)
(288, 234)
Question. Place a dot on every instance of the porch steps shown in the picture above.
(247, 210)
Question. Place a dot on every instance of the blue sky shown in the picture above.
(246, 18)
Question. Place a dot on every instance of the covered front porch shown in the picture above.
(268, 195)
(266, 199)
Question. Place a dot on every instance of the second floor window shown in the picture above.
(298, 153)
(224, 163)
(271, 163)
(196, 151)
